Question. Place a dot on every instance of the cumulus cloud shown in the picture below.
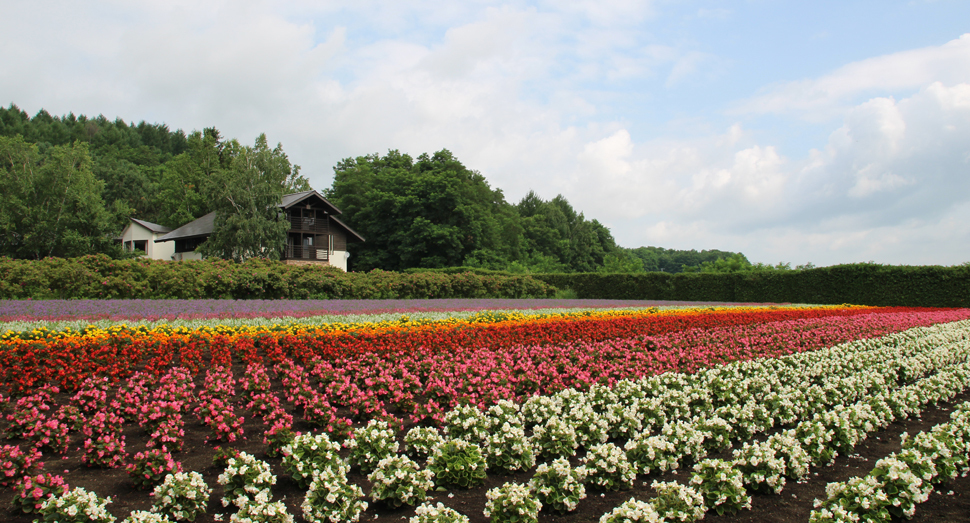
(891, 182)
(829, 95)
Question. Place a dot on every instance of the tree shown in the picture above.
(245, 186)
(433, 212)
(51, 203)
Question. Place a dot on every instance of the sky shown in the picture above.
(825, 132)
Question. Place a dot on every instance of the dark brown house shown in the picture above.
(315, 235)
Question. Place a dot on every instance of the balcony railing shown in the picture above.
(299, 252)
(312, 225)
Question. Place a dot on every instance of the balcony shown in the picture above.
(310, 225)
(306, 252)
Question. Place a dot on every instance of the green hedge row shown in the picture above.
(100, 277)
(861, 284)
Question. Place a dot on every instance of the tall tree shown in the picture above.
(51, 203)
(433, 212)
(246, 191)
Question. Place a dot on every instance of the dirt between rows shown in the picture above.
(949, 503)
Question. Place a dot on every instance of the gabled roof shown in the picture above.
(290, 200)
(194, 229)
(154, 227)
(205, 225)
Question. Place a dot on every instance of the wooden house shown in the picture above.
(314, 236)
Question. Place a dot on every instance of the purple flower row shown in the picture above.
(152, 310)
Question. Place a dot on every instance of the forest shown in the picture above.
(71, 183)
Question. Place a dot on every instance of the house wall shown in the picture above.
(156, 251)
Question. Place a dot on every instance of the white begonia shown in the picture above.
(399, 481)
(512, 502)
(427, 513)
(419, 442)
(558, 486)
(678, 502)
(607, 467)
(633, 511)
(651, 452)
(75, 501)
(371, 444)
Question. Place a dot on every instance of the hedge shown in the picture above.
(861, 284)
(100, 277)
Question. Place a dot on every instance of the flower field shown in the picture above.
(530, 413)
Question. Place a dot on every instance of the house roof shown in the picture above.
(154, 227)
(290, 200)
(194, 229)
(205, 225)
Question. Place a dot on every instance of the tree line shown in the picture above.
(71, 183)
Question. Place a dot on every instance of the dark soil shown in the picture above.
(950, 503)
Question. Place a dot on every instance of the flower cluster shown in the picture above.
(721, 485)
(181, 496)
(512, 503)
(371, 444)
(399, 481)
(32, 491)
(76, 506)
(459, 463)
(244, 478)
(332, 499)
(558, 486)
(150, 467)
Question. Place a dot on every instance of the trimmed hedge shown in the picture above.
(100, 277)
(861, 284)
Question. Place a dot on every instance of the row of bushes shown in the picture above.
(861, 284)
(100, 277)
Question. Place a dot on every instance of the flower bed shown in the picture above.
(665, 388)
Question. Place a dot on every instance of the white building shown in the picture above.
(142, 236)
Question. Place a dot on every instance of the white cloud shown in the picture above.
(827, 96)
(891, 184)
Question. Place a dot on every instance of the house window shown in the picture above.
(141, 245)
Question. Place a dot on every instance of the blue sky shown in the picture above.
(824, 132)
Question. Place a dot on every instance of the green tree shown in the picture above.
(51, 203)
(433, 212)
(245, 190)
